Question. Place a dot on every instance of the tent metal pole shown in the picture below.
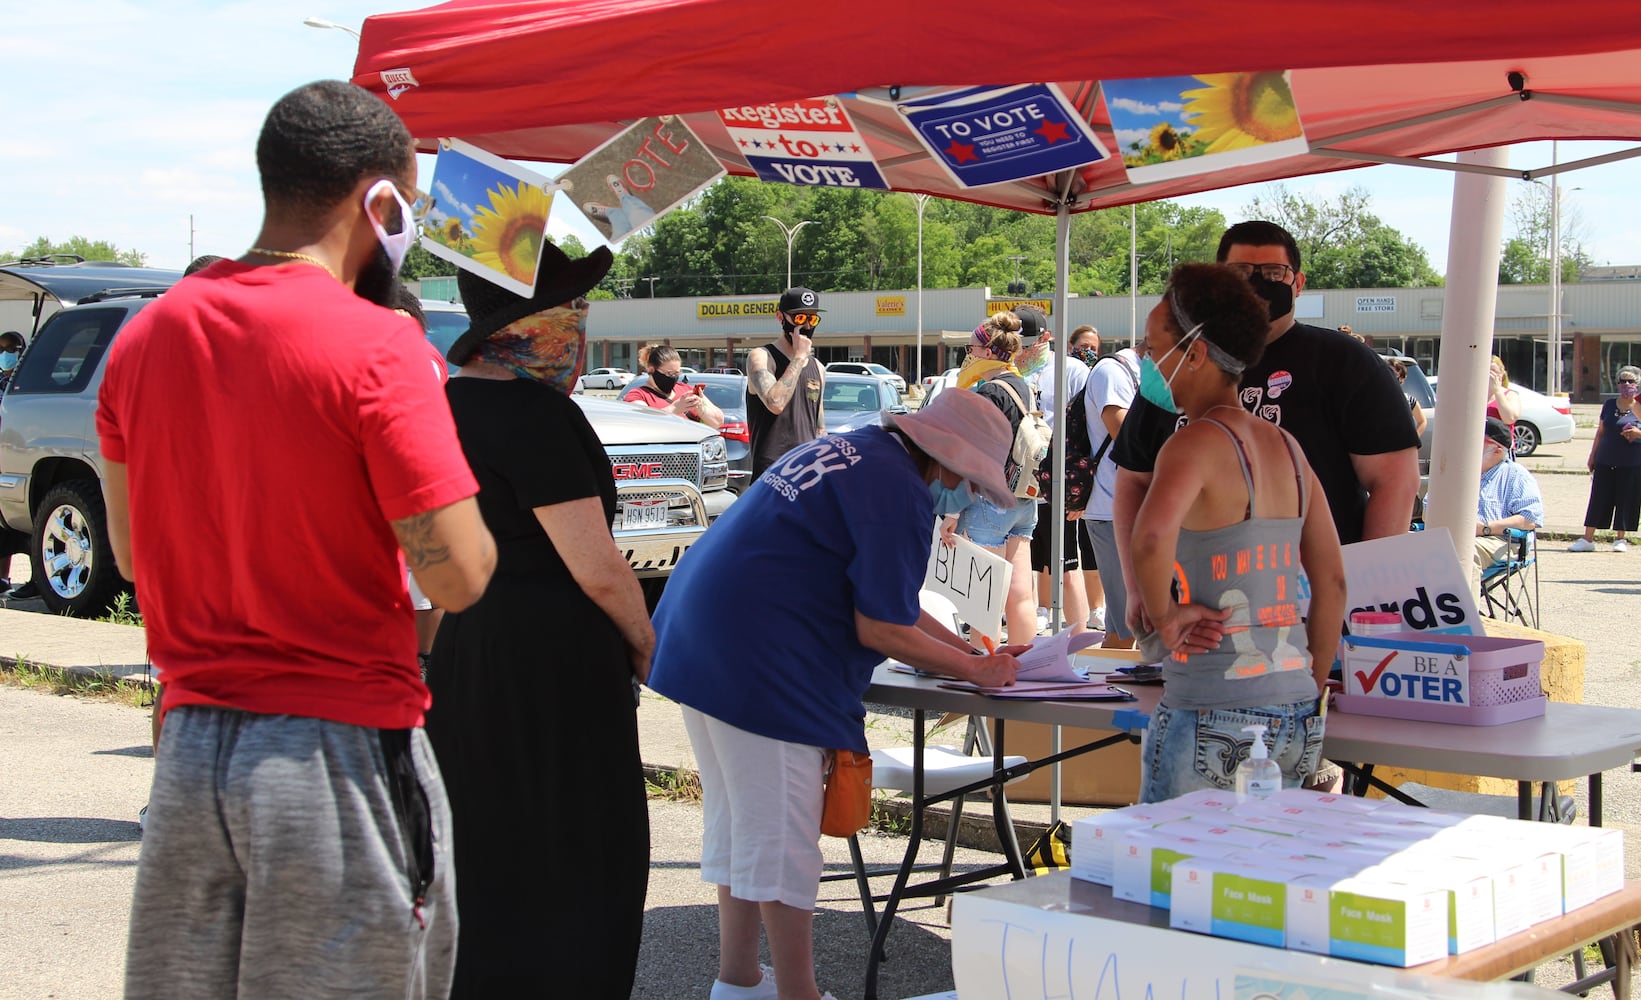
(1474, 240)
(1057, 454)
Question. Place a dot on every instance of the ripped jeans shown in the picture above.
(1187, 750)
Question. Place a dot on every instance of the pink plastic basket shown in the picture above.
(1502, 674)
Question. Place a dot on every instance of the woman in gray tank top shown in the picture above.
(1232, 526)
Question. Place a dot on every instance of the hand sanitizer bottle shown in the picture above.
(1259, 776)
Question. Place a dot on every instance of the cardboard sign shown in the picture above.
(640, 175)
(1180, 126)
(973, 579)
(1417, 575)
(489, 216)
(991, 135)
(808, 143)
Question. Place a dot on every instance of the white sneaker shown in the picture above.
(765, 990)
(1096, 619)
(1621, 545)
(1042, 619)
(1582, 545)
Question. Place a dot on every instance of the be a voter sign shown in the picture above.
(991, 135)
(808, 142)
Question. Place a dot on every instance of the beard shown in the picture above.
(377, 280)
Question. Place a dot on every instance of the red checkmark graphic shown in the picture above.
(1368, 680)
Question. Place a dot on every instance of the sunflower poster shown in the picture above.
(488, 216)
(1179, 126)
(640, 175)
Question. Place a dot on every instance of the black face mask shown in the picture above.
(664, 384)
(1278, 295)
(376, 281)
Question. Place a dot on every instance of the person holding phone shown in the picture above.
(666, 391)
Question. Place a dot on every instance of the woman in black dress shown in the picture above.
(534, 686)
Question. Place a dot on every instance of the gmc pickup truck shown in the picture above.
(672, 476)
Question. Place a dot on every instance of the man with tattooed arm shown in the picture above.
(783, 384)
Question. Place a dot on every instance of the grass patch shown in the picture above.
(24, 673)
(672, 785)
(123, 611)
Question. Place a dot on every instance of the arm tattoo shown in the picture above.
(415, 534)
(780, 393)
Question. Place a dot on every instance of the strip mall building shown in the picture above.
(1601, 326)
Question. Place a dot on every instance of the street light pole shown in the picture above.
(791, 233)
(652, 279)
(1553, 382)
(922, 200)
(319, 22)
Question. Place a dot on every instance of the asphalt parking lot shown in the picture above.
(78, 770)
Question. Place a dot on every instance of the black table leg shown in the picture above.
(1595, 799)
(999, 808)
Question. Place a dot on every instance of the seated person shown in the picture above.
(1509, 496)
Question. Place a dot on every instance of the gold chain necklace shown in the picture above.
(293, 255)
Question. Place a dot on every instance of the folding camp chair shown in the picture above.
(1509, 587)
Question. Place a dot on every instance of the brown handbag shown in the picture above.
(847, 807)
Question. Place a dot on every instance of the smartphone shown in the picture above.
(700, 389)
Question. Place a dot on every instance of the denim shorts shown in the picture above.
(1187, 750)
(985, 523)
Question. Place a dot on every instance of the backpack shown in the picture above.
(1032, 439)
(1080, 465)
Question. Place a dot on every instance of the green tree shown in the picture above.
(420, 263)
(85, 249)
(1342, 244)
(1525, 257)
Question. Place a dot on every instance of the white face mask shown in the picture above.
(396, 244)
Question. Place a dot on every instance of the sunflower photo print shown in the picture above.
(1180, 125)
(488, 216)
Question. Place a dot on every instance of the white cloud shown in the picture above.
(1125, 136)
(1170, 106)
(1132, 106)
(448, 201)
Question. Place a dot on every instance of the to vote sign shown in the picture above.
(986, 135)
(809, 143)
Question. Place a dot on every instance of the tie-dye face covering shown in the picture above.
(548, 347)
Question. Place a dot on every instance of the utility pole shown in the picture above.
(652, 279)
(191, 231)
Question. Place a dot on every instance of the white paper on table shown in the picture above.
(1049, 658)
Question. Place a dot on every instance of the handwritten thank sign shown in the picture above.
(973, 579)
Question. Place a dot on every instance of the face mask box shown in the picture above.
(1239, 899)
(1204, 800)
(1338, 857)
(1142, 869)
(1293, 816)
(1096, 837)
(1469, 888)
(1591, 860)
(1514, 880)
(1369, 921)
(1349, 804)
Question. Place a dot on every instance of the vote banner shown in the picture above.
(973, 579)
(992, 135)
(808, 143)
(640, 175)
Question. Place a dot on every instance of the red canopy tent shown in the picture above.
(549, 80)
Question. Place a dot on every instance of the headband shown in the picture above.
(1223, 361)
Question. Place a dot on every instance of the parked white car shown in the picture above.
(934, 385)
(605, 378)
(867, 368)
(1543, 420)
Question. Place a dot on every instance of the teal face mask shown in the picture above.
(950, 499)
(8, 360)
(1157, 390)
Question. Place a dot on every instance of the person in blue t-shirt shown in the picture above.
(837, 532)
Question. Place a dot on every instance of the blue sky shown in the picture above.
(123, 118)
(1136, 105)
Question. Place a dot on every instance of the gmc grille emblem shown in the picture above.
(636, 470)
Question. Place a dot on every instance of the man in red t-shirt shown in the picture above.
(271, 438)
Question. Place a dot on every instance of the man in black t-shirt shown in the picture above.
(1332, 393)
(783, 384)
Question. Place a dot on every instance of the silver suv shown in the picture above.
(671, 475)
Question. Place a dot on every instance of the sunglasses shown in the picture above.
(1270, 272)
(810, 320)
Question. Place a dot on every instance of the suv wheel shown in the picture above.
(72, 560)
